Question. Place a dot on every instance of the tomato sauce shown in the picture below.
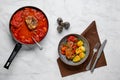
(20, 30)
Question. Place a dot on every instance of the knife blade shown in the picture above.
(98, 55)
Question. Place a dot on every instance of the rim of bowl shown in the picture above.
(67, 61)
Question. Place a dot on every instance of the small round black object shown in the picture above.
(59, 20)
(59, 29)
(66, 25)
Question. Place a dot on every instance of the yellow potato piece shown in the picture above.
(76, 58)
(80, 43)
(82, 55)
(82, 48)
(78, 50)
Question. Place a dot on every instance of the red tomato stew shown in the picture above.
(28, 22)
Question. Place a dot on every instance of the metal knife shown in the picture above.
(98, 55)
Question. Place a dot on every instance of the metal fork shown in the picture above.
(94, 51)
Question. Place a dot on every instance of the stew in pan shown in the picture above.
(28, 23)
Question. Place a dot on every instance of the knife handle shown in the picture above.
(93, 67)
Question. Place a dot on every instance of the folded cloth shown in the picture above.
(91, 35)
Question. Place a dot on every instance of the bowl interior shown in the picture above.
(63, 57)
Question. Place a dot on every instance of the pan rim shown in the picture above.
(21, 9)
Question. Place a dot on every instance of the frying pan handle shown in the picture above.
(13, 54)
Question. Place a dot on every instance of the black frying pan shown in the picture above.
(19, 43)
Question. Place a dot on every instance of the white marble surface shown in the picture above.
(35, 64)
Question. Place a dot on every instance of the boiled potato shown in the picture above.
(82, 48)
(80, 43)
(76, 58)
(82, 55)
(78, 50)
